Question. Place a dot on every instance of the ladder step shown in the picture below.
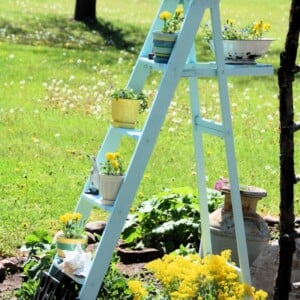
(209, 69)
(132, 133)
(95, 201)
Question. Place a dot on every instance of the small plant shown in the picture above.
(167, 221)
(130, 94)
(190, 277)
(113, 164)
(172, 23)
(72, 225)
(41, 254)
(230, 31)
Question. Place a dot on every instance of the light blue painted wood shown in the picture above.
(182, 63)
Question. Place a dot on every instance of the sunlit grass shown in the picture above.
(54, 80)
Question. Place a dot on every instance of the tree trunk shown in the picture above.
(286, 74)
(85, 10)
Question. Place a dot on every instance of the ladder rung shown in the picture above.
(210, 127)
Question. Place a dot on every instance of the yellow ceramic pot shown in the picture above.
(125, 112)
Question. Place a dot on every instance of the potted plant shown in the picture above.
(72, 233)
(111, 177)
(126, 105)
(164, 39)
(242, 45)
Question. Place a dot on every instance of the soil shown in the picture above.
(14, 281)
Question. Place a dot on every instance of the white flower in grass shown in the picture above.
(57, 135)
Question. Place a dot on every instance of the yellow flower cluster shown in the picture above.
(113, 164)
(232, 31)
(137, 289)
(172, 23)
(72, 225)
(70, 217)
(259, 28)
(192, 278)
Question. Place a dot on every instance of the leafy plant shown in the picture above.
(130, 94)
(230, 31)
(114, 285)
(172, 23)
(167, 221)
(40, 256)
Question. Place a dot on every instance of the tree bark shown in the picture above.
(85, 10)
(286, 74)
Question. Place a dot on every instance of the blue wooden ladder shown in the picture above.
(182, 63)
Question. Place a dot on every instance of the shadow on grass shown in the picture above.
(57, 31)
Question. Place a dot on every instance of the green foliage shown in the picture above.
(115, 285)
(40, 257)
(168, 220)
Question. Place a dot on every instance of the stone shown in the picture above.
(95, 227)
(264, 270)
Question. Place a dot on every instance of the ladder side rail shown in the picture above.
(200, 168)
(110, 144)
(142, 151)
(230, 149)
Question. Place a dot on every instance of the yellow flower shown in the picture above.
(110, 155)
(165, 15)
(76, 216)
(179, 9)
(231, 22)
(266, 26)
(115, 164)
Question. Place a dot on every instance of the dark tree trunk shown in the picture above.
(286, 74)
(85, 10)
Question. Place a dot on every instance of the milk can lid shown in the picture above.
(246, 190)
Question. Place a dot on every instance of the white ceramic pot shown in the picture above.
(109, 188)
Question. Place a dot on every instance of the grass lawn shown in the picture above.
(54, 80)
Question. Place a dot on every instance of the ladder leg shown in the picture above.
(230, 151)
(200, 166)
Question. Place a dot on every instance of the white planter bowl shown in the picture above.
(243, 51)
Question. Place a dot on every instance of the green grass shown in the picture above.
(55, 75)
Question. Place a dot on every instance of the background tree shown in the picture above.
(85, 11)
(286, 74)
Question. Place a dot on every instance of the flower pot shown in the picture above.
(109, 188)
(163, 44)
(69, 244)
(222, 225)
(125, 112)
(243, 51)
